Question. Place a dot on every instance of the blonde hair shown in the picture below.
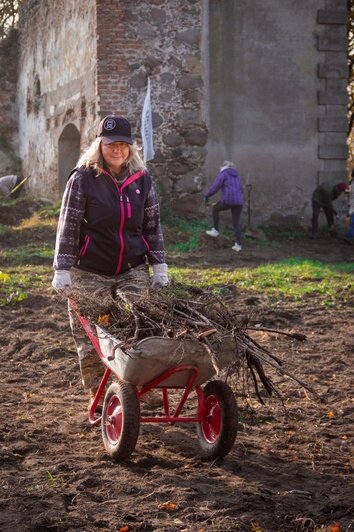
(92, 158)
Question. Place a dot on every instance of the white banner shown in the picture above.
(146, 127)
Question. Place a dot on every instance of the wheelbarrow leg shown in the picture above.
(95, 420)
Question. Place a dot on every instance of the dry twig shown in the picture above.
(179, 311)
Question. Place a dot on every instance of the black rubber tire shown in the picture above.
(218, 432)
(120, 420)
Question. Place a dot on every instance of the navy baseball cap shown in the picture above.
(114, 129)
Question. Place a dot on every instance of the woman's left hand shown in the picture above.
(160, 275)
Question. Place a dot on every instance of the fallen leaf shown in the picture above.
(330, 415)
(256, 528)
(334, 528)
(103, 319)
(169, 505)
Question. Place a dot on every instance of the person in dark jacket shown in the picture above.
(228, 181)
(109, 230)
(8, 184)
(322, 198)
(350, 237)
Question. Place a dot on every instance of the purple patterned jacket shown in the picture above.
(229, 182)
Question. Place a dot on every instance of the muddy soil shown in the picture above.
(291, 468)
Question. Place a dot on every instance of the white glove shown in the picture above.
(160, 277)
(61, 280)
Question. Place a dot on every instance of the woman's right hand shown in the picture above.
(160, 276)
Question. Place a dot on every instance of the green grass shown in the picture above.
(34, 247)
(16, 285)
(4, 229)
(29, 266)
(50, 211)
(191, 231)
(30, 253)
(283, 233)
(291, 279)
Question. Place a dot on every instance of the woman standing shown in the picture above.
(109, 230)
(229, 182)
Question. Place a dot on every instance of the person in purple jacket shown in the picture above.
(109, 234)
(228, 181)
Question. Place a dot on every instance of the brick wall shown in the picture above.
(160, 39)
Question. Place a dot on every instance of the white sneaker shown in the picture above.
(236, 247)
(212, 232)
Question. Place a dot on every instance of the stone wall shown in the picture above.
(276, 98)
(160, 39)
(57, 84)
(261, 83)
(69, 77)
(332, 97)
(9, 163)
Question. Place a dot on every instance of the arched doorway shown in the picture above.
(69, 151)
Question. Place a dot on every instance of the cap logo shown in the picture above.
(109, 124)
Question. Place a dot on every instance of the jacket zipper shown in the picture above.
(122, 221)
(122, 212)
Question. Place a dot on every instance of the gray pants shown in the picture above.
(135, 281)
(235, 213)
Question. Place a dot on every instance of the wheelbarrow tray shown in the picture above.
(150, 357)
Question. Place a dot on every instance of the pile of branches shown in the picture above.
(184, 312)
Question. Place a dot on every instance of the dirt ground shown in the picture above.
(289, 470)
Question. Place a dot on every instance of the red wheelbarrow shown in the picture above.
(165, 364)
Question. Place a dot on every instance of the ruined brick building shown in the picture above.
(262, 83)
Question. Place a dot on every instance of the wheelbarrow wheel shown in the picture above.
(120, 420)
(217, 431)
